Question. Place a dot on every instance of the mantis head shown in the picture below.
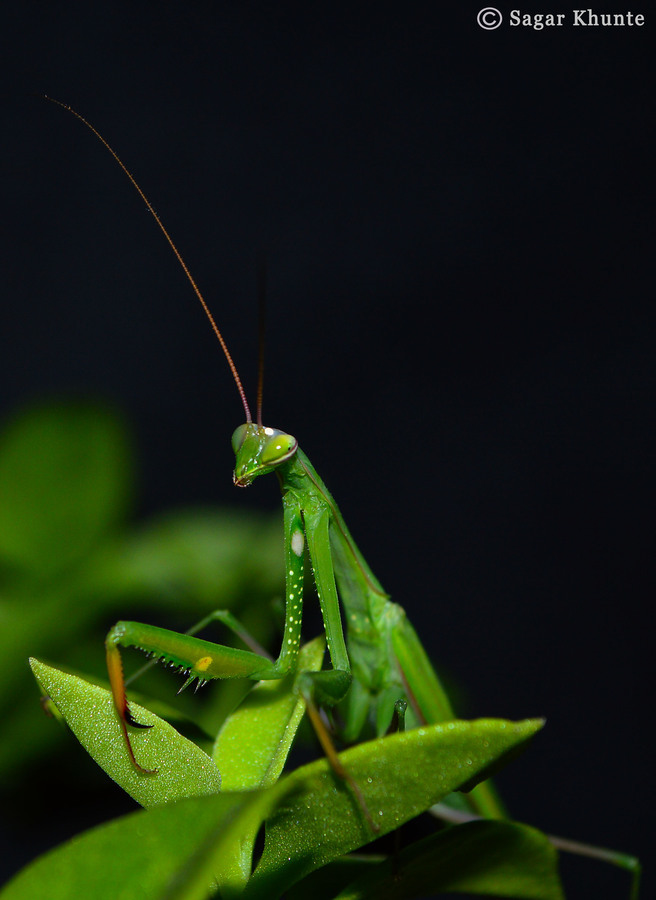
(259, 450)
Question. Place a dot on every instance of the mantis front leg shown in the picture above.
(329, 686)
(204, 660)
(332, 685)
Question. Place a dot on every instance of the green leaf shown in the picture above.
(252, 747)
(399, 776)
(64, 482)
(497, 859)
(173, 852)
(183, 769)
(254, 742)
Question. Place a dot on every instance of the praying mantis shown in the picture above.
(375, 670)
(377, 666)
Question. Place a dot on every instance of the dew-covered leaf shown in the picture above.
(183, 769)
(399, 776)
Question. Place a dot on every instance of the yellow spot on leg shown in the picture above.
(203, 664)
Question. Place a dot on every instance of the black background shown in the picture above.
(461, 320)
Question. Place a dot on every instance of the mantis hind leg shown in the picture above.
(335, 763)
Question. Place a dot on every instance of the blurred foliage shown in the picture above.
(73, 561)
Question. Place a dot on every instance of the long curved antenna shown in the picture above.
(224, 346)
(261, 329)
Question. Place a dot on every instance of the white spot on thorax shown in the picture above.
(298, 542)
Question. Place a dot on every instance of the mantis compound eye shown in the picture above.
(238, 436)
(278, 447)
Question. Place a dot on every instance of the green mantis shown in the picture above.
(377, 662)
(380, 662)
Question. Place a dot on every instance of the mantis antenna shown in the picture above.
(261, 315)
(224, 346)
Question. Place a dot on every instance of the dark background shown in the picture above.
(461, 320)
